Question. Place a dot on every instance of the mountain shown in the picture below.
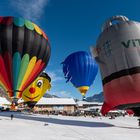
(96, 98)
(47, 95)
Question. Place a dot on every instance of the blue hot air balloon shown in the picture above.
(80, 69)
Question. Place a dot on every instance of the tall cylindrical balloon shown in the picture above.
(80, 69)
(24, 53)
(118, 54)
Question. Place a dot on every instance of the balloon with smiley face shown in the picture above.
(32, 94)
(24, 53)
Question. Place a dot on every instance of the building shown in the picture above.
(56, 105)
(85, 104)
(89, 107)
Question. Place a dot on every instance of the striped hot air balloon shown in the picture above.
(24, 53)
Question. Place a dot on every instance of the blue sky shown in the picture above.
(71, 25)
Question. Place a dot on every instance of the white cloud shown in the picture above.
(54, 76)
(64, 94)
(30, 9)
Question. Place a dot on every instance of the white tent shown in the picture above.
(4, 101)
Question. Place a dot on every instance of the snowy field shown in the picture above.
(42, 127)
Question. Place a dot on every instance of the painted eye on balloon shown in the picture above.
(39, 83)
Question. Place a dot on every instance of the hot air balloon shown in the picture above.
(24, 53)
(80, 69)
(118, 54)
(33, 93)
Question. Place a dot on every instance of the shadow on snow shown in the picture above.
(56, 121)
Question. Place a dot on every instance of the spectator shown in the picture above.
(12, 116)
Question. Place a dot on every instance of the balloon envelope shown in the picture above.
(24, 53)
(118, 49)
(34, 92)
(80, 69)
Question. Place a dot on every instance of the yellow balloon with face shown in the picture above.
(32, 94)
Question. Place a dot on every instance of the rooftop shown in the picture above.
(81, 103)
(56, 101)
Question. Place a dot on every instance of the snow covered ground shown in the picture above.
(43, 127)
